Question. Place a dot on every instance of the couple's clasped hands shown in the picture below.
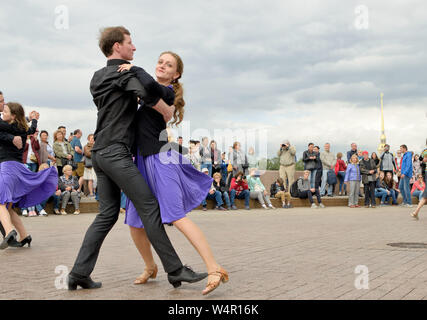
(161, 107)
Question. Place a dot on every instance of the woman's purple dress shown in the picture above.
(24, 188)
(177, 185)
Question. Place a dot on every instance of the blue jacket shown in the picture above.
(352, 173)
(406, 168)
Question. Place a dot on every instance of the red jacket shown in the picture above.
(36, 147)
(238, 186)
(340, 166)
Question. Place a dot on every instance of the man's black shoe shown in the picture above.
(185, 274)
(85, 283)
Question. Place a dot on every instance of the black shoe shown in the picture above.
(26, 240)
(185, 274)
(11, 237)
(85, 283)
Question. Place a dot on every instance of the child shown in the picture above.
(279, 191)
(352, 177)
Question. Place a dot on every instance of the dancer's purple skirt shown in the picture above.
(177, 185)
(24, 188)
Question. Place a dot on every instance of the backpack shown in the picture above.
(294, 189)
(332, 178)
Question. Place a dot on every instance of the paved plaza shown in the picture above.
(300, 253)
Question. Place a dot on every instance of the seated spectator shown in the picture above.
(392, 187)
(56, 198)
(381, 189)
(213, 194)
(63, 151)
(68, 186)
(418, 187)
(89, 173)
(340, 168)
(278, 191)
(306, 191)
(257, 189)
(353, 178)
(239, 189)
(220, 186)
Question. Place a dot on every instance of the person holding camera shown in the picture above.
(239, 189)
(286, 155)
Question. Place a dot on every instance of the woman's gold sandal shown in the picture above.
(147, 274)
(212, 285)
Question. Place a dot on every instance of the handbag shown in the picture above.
(71, 163)
(33, 158)
(88, 162)
(331, 177)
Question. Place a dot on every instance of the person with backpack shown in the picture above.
(352, 178)
(306, 191)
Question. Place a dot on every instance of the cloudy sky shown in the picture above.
(298, 70)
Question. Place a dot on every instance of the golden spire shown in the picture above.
(382, 138)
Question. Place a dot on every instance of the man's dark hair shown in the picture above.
(311, 143)
(60, 127)
(44, 131)
(317, 147)
(1, 92)
(109, 36)
(404, 146)
(76, 131)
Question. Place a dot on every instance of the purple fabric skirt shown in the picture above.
(24, 188)
(177, 185)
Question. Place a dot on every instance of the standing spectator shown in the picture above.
(352, 151)
(239, 189)
(286, 156)
(392, 187)
(46, 151)
(416, 166)
(220, 186)
(328, 162)
(224, 165)
(180, 141)
(213, 194)
(68, 184)
(31, 156)
(278, 191)
(374, 156)
(418, 187)
(257, 189)
(310, 158)
(340, 168)
(205, 155)
(89, 173)
(369, 178)
(78, 157)
(319, 169)
(405, 177)
(238, 158)
(306, 191)
(353, 178)
(63, 129)
(62, 149)
(398, 161)
(252, 158)
(215, 157)
(387, 163)
(194, 155)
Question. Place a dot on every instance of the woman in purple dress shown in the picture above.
(19, 185)
(177, 185)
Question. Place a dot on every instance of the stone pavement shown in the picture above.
(299, 253)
